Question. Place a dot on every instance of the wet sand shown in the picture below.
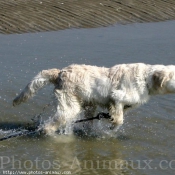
(19, 16)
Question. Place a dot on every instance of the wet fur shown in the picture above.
(84, 87)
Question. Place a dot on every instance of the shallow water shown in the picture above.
(145, 142)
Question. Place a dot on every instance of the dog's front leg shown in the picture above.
(116, 113)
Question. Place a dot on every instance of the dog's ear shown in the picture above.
(159, 78)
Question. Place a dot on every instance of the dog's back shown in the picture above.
(88, 82)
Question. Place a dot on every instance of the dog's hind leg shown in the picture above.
(68, 109)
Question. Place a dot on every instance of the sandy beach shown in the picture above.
(19, 16)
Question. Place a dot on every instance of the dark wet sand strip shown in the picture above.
(21, 16)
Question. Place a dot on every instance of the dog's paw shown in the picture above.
(115, 122)
(49, 129)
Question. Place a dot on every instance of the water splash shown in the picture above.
(93, 128)
(96, 128)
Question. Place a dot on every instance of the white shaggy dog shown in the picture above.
(84, 87)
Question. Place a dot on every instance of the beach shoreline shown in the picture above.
(19, 16)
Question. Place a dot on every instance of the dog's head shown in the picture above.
(163, 81)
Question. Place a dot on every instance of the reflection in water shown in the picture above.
(66, 153)
(85, 151)
(82, 155)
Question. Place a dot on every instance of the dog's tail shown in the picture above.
(43, 78)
